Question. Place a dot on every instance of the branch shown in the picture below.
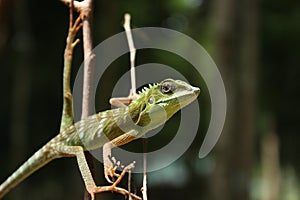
(133, 92)
(132, 52)
(86, 12)
(144, 188)
(114, 188)
(88, 58)
(67, 113)
(121, 101)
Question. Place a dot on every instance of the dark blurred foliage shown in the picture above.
(256, 47)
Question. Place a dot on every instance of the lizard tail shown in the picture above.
(36, 161)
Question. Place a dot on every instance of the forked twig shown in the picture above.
(67, 113)
(114, 187)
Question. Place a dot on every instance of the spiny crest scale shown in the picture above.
(147, 88)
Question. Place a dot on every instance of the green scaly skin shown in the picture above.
(153, 106)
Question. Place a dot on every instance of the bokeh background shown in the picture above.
(255, 45)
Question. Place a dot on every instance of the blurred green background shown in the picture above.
(254, 43)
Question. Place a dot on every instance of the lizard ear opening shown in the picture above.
(151, 100)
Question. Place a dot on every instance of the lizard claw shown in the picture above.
(110, 172)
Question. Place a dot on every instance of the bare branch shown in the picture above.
(88, 58)
(132, 52)
(67, 113)
(114, 187)
(144, 189)
(85, 10)
(133, 90)
(129, 184)
(121, 101)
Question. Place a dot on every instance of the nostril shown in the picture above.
(196, 90)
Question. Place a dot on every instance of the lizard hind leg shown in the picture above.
(89, 182)
(82, 164)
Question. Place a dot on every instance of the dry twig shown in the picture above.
(67, 114)
(133, 90)
(132, 52)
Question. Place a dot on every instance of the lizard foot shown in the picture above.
(110, 171)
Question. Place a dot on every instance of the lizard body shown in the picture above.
(152, 107)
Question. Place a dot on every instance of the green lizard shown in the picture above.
(151, 108)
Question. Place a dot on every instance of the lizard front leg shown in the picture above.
(110, 163)
(120, 102)
(82, 164)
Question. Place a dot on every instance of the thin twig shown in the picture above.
(144, 190)
(114, 187)
(67, 113)
(118, 190)
(133, 91)
(132, 52)
(127, 168)
(129, 184)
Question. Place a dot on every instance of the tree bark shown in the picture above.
(237, 59)
(248, 66)
(223, 17)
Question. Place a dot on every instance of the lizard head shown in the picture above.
(158, 102)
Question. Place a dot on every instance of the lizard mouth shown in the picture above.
(189, 96)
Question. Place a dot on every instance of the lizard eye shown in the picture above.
(151, 100)
(167, 87)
